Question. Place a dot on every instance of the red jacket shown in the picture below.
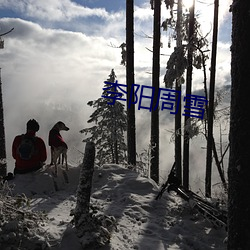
(37, 159)
(55, 139)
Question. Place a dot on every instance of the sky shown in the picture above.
(61, 51)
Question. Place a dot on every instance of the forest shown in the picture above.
(216, 115)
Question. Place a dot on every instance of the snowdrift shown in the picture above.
(141, 221)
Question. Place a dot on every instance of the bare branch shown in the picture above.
(7, 32)
(160, 54)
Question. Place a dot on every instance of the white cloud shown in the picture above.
(51, 73)
(205, 12)
(44, 69)
(143, 13)
(53, 10)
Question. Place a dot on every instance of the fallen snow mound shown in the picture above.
(141, 221)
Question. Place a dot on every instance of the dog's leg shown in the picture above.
(56, 170)
(63, 157)
(51, 156)
(55, 158)
(66, 161)
(59, 159)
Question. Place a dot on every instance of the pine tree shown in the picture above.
(110, 125)
(190, 51)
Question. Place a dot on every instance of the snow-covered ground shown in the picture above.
(141, 221)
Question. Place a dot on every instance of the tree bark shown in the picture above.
(188, 92)
(83, 193)
(3, 161)
(93, 229)
(154, 168)
(211, 102)
(131, 129)
(239, 159)
(178, 156)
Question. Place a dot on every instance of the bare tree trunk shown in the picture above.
(3, 162)
(178, 158)
(211, 102)
(188, 92)
(83, 193)
(239, 159)
(216, 158)
(93, 231)
(154, 168)
(213, 145)
(131, 131)
(116, 152)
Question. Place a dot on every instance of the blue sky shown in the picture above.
(69, 15)
(108, 5)
(61, 51)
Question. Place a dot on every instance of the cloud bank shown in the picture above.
(58, 56)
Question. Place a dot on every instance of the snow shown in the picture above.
(141, 221)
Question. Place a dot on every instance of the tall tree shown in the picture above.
(177, 150)
(176, 66)
(131, 128)
(188, 92)
(239, 159)
(211, 102)
(154, 167)
(110, 125)
(3, 162)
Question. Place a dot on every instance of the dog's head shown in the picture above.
(61, 126)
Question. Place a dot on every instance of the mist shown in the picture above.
(51, 69)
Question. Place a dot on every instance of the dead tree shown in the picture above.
(3, 161)
(188, 92)
(210, 138)
(178, 87)
(84, 187)
(93, 229)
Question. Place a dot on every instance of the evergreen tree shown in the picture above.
(110, 125)
(190, 51)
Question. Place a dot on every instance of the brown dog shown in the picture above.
(58, 146)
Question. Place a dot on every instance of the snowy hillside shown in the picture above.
(141, 221)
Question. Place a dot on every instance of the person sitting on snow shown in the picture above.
(29, 150)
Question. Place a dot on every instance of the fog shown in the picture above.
(49, 74)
